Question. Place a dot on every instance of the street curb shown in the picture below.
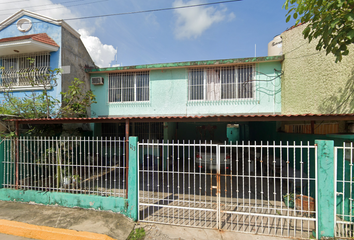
(42, 232)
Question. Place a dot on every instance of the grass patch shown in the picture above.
(137, 234)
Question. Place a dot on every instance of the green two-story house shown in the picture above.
(186, 100)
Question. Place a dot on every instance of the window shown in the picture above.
(221, 83)
(24, 70)
(129, 87)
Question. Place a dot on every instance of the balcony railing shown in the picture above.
(24, 77)
(24, 70)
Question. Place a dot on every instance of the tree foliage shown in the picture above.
(331, 22)
(42, 104)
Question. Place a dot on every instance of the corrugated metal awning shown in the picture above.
(209, 118)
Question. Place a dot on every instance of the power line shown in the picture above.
(147, 11)
(44, 9)
(153, 10)
(15, 1)
(40, 5)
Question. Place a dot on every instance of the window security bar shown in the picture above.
(211, 84)
(24, 70)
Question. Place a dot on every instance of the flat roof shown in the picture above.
(210, 118)
(188, 64)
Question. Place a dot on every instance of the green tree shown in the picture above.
(74, 102)
(330, 22)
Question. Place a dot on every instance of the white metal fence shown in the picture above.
(344, 221)
(94, 166)
(258, 188)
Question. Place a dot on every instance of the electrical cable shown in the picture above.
(42, 5)
(148, 11)
(15, 1)
(153, 10)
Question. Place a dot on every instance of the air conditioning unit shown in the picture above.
(97, 80)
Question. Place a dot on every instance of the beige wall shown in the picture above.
(313, 82)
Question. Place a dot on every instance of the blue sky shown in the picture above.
(202, 33)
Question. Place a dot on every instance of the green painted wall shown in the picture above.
(233, 133)
(325, 188)
(312, 81)
(133, 191)
(65, 199)
(169, 96)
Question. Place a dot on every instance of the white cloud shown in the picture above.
(43, 7)
(102, 54)
(192, 22)
(151, 20)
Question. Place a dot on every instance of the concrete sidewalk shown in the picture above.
(61, 223)
(55, 222)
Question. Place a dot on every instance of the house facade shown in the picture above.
(30, 45)
(220, 100)
(249, 86)
(312, 83)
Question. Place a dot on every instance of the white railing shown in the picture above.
(264, 188)
(24, 77)
(344, 217)
(24, 70)
(94, 166)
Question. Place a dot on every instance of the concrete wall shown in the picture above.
(75, 55)
(312, 81)
(74, 59)
(169, 96)
(39, 26)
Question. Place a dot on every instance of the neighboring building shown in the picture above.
(299, 84)
(312, 83)
(186, 90)
(30, 44)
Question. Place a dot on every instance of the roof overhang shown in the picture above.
(190, 64)
(215, 118)
(25, 46)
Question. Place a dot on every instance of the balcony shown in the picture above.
(28, 70)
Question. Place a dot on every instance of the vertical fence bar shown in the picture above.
(316, 189)
(2, 161)
(127, 156)
(351, 186)
(16, 162)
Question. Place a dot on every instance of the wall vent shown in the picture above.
(97, 80)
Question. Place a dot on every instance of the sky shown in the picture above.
(220, 31)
